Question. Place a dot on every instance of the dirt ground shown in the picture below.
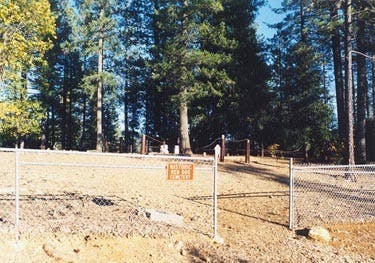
(253, 222)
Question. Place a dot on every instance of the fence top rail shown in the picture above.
(128, 155)
(90, 165)
(322, 167)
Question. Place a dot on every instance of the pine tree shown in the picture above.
(249, 99)
(349, 82)
(338, 68)
(132, 67)
(363, 14)
(95, 36)
(305, 116)
(188, 66)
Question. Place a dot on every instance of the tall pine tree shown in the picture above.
(189, 67)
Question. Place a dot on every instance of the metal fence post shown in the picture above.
(214, 223)
(17, 195)
(291, 193)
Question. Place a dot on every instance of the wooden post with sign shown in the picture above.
(180, 171)
(222, 152)
(247, 155)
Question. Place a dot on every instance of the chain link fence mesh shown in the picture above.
(7, 193)
(117, 194)
(332, 194)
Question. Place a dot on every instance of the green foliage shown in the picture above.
(95, 36)
(160, 54)
(90, 82)
(193, 69)
(190, 65)
(300, 101)
(248, 101)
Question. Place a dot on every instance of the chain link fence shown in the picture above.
(117, 194)
(331, 194)
(7, 194)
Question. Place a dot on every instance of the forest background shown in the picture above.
(81, 74)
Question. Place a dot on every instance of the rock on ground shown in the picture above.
(164, 217)
(319, 233)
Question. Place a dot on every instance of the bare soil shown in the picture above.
(253, 219)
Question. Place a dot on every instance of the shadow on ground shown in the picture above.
(261, 173)
(261, 195)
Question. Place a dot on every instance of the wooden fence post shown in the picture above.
(222, 151)
(262, 151)
(143, 150)
(247, 155)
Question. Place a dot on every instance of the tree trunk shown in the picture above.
(64, 111)
(99, 131)
(362, 88)
(184, 119)
(368, 103)
(23, 92)
(70, 119)
(339, 83)
(47, 130)
(373, 85)
(126, 101)
(184, 128)
(83, 134)
(325, 86)
(155, 109)
(126, 121)
(53, 139)
(349, 83)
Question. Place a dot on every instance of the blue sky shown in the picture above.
(267, 16)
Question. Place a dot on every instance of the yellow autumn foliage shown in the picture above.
(20, 118)
(27, 28)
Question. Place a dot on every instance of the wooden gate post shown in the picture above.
(143, 150)
(222, 151)
(247, 154)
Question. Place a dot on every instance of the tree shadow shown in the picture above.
(200, 200)
(108, 200)
(336, 192)
(264, 164)
(242, 195)
(262, 173)
(302, 232)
